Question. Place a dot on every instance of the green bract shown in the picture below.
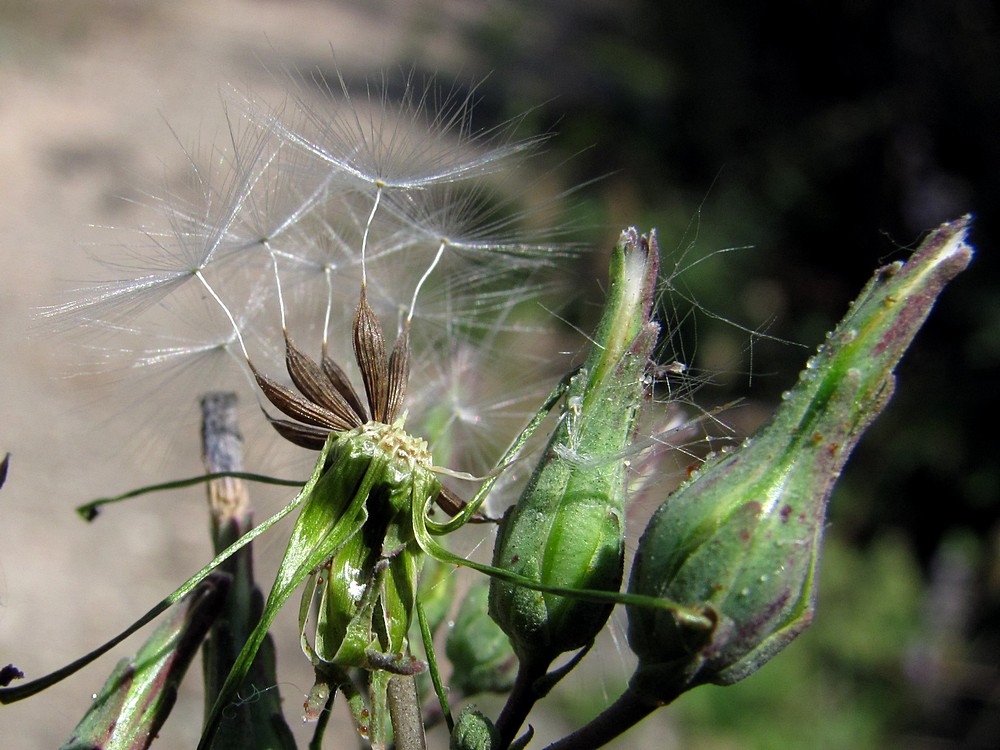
(354, 541)
(366, 591)
(480, 653)
(568, 527)
(742, 538)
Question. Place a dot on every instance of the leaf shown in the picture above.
(138, 696)
(20, 692)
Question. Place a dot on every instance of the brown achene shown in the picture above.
(328, 403)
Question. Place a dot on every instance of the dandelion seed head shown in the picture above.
(281, 221)
(393, 132)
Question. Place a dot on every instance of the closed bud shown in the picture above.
(741, 539)
(567, 530)
(473, 731)
(480, 654)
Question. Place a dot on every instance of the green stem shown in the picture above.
(432, 667)
(316, 743)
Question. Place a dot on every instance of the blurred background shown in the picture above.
(822, 139)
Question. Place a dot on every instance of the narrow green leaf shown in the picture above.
(20, 692)
(89, 511)
(137, 698)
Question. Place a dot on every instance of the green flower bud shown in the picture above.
(567, 529)
(741, 539)
(473, 731)
(480, 654)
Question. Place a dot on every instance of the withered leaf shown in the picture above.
(10, 672)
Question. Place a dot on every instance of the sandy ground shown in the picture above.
(86, 90)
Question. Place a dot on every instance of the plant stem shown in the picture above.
(520, 701)
(258, 723)
(615, 720)
(404, 711)
(222, 451)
